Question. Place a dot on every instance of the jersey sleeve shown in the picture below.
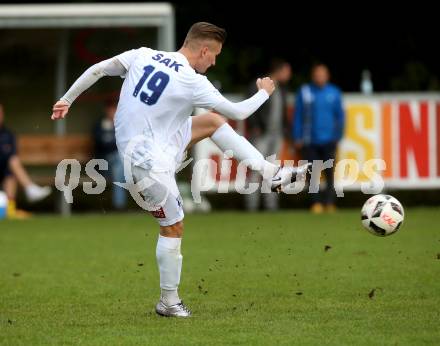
(127, 58)
(109, 67)
(205, 94)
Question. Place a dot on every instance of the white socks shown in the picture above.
(169, 261)
(227, 139)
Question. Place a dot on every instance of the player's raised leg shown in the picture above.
(223, 135)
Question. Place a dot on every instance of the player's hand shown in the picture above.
(59, 110)
(267, 84)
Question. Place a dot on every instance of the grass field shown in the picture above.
(285, 278)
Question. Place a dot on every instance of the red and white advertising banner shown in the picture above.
(403, 130)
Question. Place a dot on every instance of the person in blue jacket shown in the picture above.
(105, 148)
(318, 126)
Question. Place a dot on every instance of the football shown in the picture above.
(382, 215)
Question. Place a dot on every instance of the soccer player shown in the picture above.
(157, 99)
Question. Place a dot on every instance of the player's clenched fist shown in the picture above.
(60, 110)
(267, 84)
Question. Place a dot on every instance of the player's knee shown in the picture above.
(173, 231)
(217, 120)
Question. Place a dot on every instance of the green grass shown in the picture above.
(249, 279)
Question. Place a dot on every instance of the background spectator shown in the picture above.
(318, 127)
(105, 148)
(267, 127)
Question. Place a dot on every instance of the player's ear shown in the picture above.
(204, 51)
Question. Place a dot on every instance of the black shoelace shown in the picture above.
(184, 307)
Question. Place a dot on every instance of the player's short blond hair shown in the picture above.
(205, 31)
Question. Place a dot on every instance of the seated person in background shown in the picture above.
(12, 171)
(105, 148)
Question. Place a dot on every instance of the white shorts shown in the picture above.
(162, 195)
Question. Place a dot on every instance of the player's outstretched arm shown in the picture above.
(110, 67)
(242, 110)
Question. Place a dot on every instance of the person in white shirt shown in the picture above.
(154, 128)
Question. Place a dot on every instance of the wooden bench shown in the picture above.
(49, 150)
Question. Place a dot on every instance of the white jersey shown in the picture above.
(159, 93)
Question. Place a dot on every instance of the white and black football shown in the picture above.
(382, 215)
